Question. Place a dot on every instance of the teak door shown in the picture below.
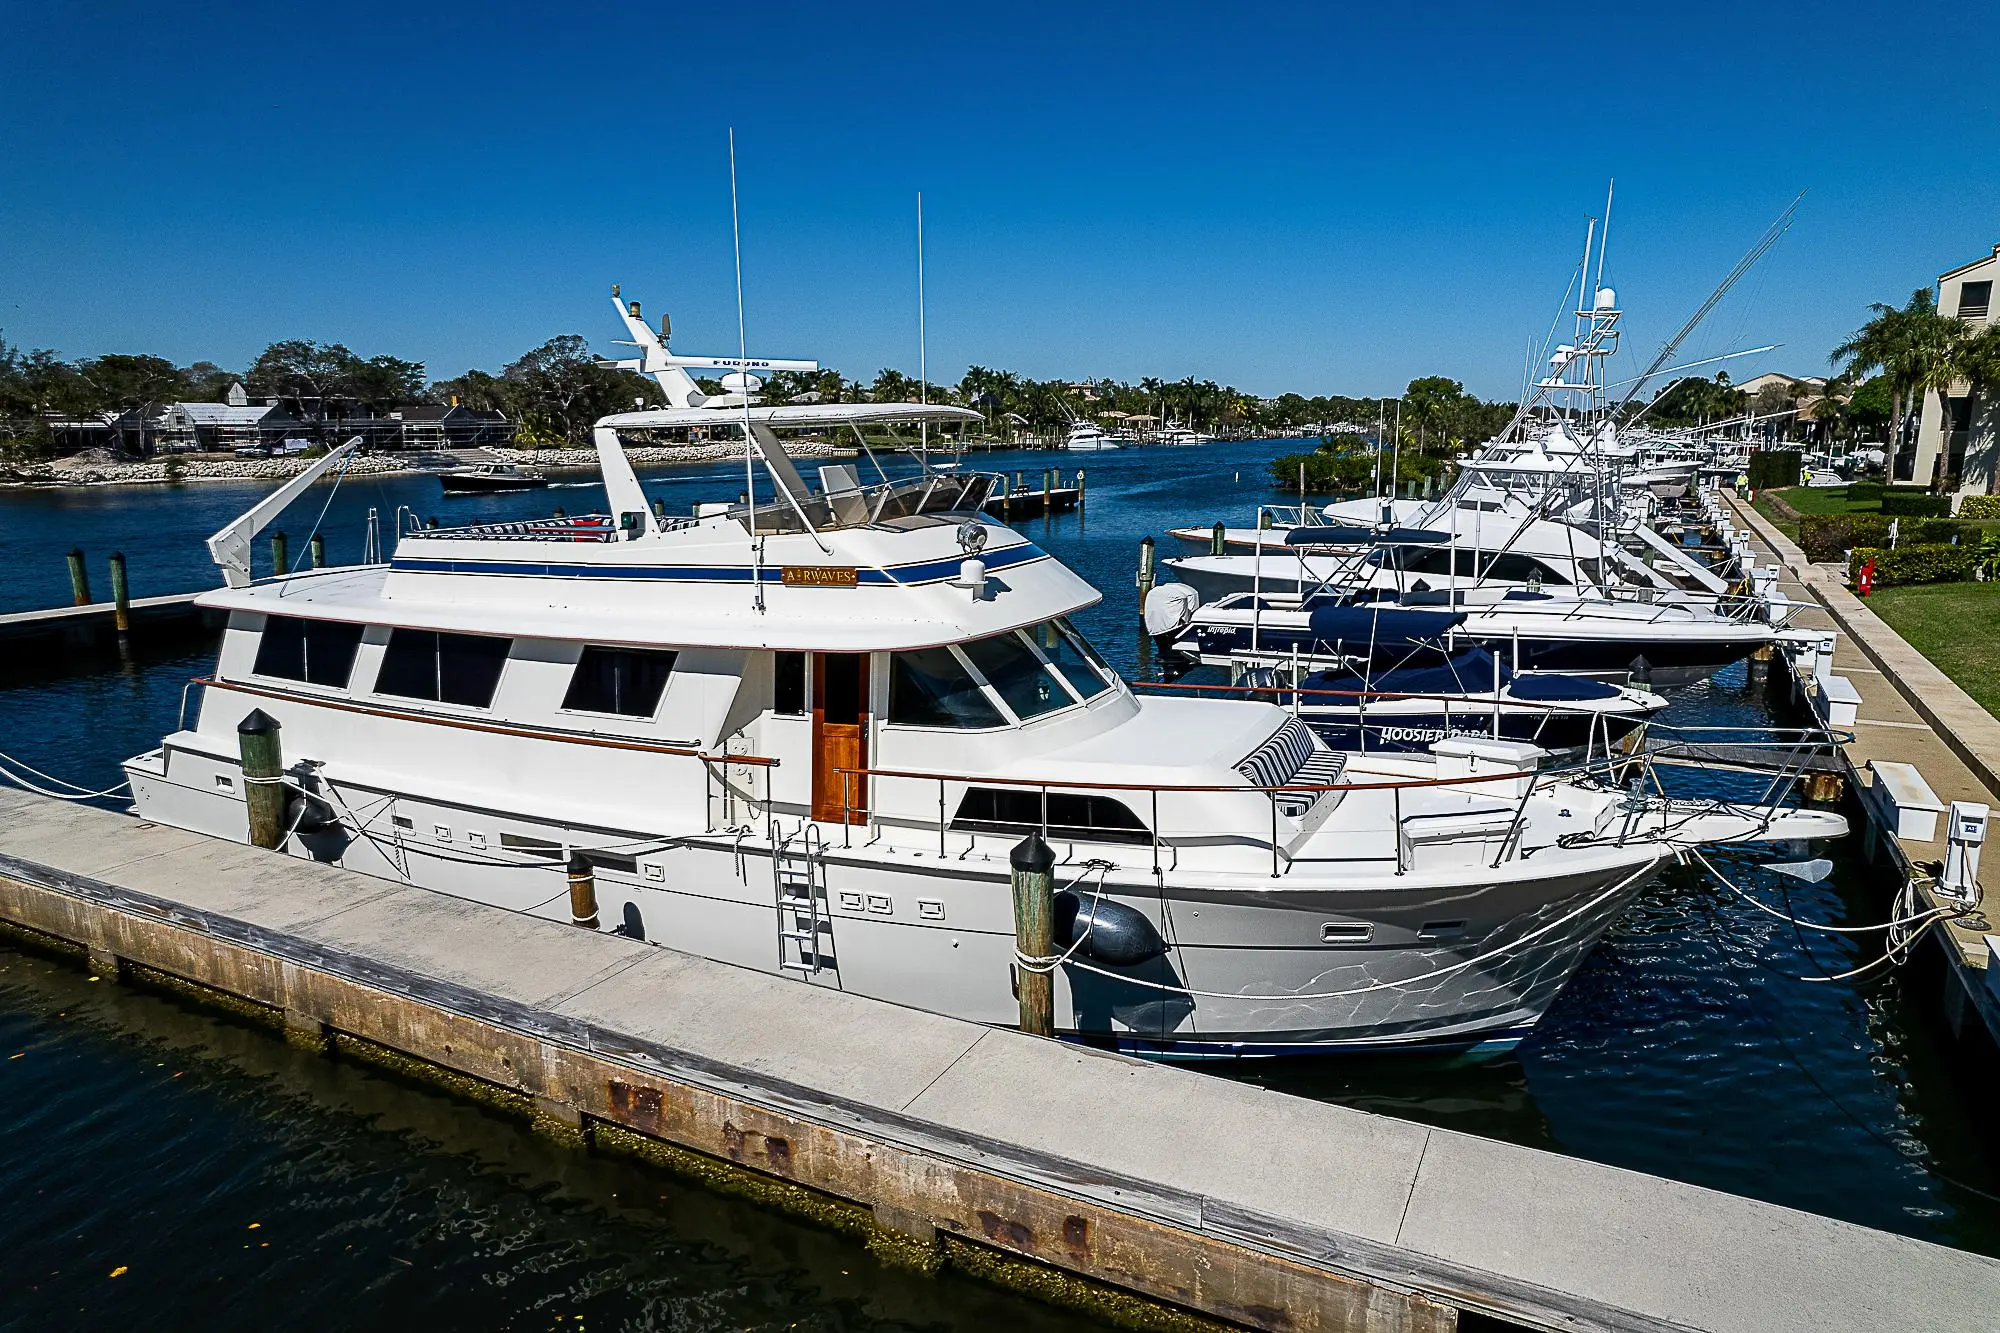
(840, 737)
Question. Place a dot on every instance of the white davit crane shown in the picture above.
(230, 548)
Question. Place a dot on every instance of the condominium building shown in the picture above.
(1958, 441)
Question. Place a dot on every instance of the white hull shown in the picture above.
(900, 925)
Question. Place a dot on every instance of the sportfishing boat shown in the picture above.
(1397, 685)
(1174, 434)
(1086, 437)
(805, 733)
(491, 478)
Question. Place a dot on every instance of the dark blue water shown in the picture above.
(1684, 1047)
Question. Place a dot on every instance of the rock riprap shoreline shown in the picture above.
(87, 472)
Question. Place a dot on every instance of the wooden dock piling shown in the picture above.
(317, 551)
(1079, 488)
(281, 553)
(262, 751)
(582, 892)
(1218, 541)
(79, 578)
(1145, 568)
(1034, 932)
(121, 596)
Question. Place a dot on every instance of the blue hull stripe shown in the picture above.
(930, 571)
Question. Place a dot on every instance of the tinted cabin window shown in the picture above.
(929, 688)
(788, 686)
(1075, 816)
(319, 652)
(619, 680)
(1019, 676)
(1074, 657)
(450, 668)
(843, 685)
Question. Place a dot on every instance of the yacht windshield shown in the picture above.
(930, 688)
(1073, 656)
(1021, 678)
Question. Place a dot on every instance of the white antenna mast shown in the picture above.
(923, 352)
(743, 354)
(1603, 240)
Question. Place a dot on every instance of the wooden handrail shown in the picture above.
(495, 728)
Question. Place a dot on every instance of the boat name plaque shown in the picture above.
(820, 576)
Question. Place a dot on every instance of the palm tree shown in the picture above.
(1935, 357)
(1890, 343)
(1826, 407)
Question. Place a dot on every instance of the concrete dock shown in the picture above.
(1911, 713)
(952, 1142)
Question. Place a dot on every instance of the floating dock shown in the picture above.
(1061, 1169)
(1907, 712)
(66, 627)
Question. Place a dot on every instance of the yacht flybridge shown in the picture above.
(803, 733)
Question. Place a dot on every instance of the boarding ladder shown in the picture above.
(805, 926)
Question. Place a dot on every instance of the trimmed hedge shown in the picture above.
(1923, 563)
(1865, 492)
(1979, 506)
(1915, 504)
(1826, 537)
(1772, 468)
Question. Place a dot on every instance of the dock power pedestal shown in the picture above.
(1966, 831)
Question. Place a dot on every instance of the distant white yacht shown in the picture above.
(1088, 437)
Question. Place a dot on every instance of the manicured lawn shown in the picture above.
(1956, 625)
(1828, 500)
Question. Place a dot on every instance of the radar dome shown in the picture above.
(737, 381)
(1606, 299)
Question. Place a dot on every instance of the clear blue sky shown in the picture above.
(1319, 198)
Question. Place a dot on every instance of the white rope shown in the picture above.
(1896, 948)
(1372, 986)
(74, 792)
(1895, 924)
(1050, 962)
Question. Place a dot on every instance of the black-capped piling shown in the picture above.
(1034, 933)
(262, 753)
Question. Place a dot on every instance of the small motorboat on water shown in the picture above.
(489, 478)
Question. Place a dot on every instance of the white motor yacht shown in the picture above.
(1087, 437)
(805, 734)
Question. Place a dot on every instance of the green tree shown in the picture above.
(475, 389)
(559, 390)
(1894, 343)
(1871, 405)
(1694, 401)
(384, 381)
(311, 374)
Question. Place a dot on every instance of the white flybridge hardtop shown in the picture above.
(804, 733)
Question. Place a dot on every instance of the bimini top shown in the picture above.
(1386, 628)
(1353, 534)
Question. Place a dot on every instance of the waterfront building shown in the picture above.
(1956, 439)
(220, 427)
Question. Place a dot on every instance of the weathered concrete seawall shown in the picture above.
(940, 1138)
